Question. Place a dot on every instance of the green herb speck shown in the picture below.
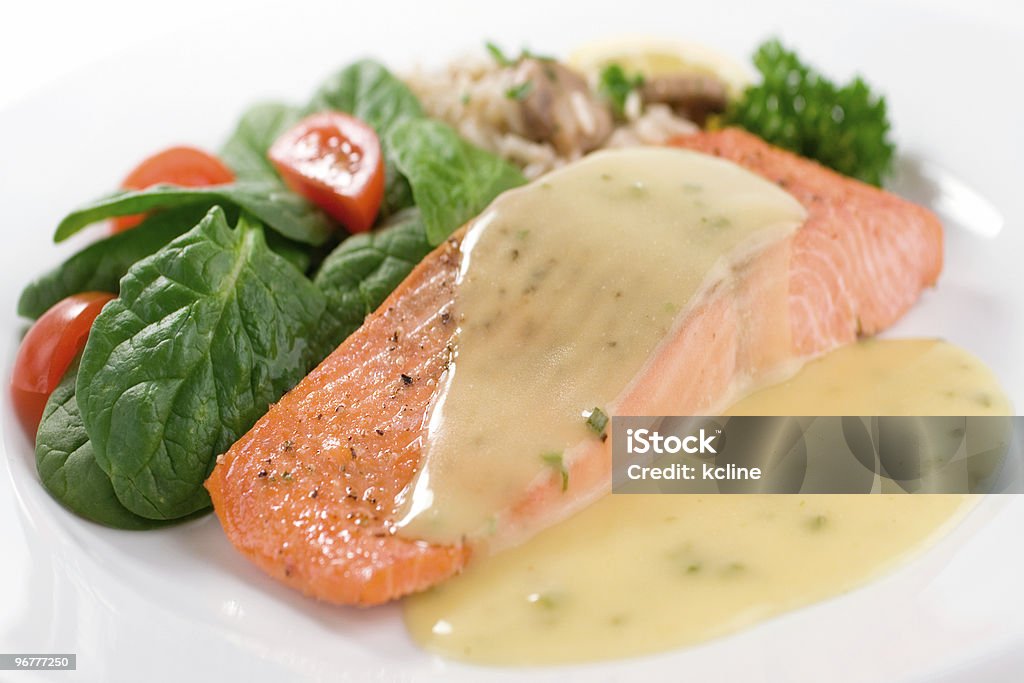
(519, 91)
(734, 568)
(554, 459)
(546, 601)
(597, 420)
(615, 85)
(497, 54)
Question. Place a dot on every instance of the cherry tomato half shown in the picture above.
(184, 166)
(47, 351)
(334, 160)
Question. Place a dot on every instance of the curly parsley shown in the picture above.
(795, 107)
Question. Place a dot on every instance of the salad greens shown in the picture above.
(67, 465)
(245, 152)
(101, 265)
(268, 201)
(451, 179)
(368, 91)
(795, 107)
(213, 323)
(206, 334)
(358, 275)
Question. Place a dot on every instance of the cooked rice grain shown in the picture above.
(471, 95)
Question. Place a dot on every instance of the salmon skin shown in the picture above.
(312, 492)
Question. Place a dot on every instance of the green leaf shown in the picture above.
(597, 420)
(67, 466)
(519, 92)
(797, 108)
(498, 55)
(268, 201)
(452, 180)
(371, 93)
(206, 333)
(555, 460)
(296, 253)
(364, 269)
(101, 265)
(615, 85)
(245, 152)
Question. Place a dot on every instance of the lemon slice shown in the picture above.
(653, 57)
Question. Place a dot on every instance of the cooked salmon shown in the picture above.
(312, 492)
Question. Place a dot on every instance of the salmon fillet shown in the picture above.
(312, 492)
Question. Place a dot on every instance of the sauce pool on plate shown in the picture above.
(637, 574)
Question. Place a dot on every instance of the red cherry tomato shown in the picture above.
(184, 166)
(334, 160)
(47, 351)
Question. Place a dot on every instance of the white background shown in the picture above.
(41, 40)
(87, 88)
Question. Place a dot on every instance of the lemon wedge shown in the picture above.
(654, 57)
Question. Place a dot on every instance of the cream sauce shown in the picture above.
(635, 574)
(566, 288)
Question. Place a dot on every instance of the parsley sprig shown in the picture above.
(795, 107)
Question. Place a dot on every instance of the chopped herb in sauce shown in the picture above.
(817, 523)
(554, 459)
(734, 568)
(597, 420)
(544, 600)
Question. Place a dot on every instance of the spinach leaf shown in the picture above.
(67, 466)
(269, 201)
(452, 180)
(207, 332)
(368, 91)
(245, 152)
(364, 269)
(298, 254)
(101, 265)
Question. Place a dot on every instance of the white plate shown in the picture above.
(180, 604)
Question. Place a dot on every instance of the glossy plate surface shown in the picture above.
(168, 605)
